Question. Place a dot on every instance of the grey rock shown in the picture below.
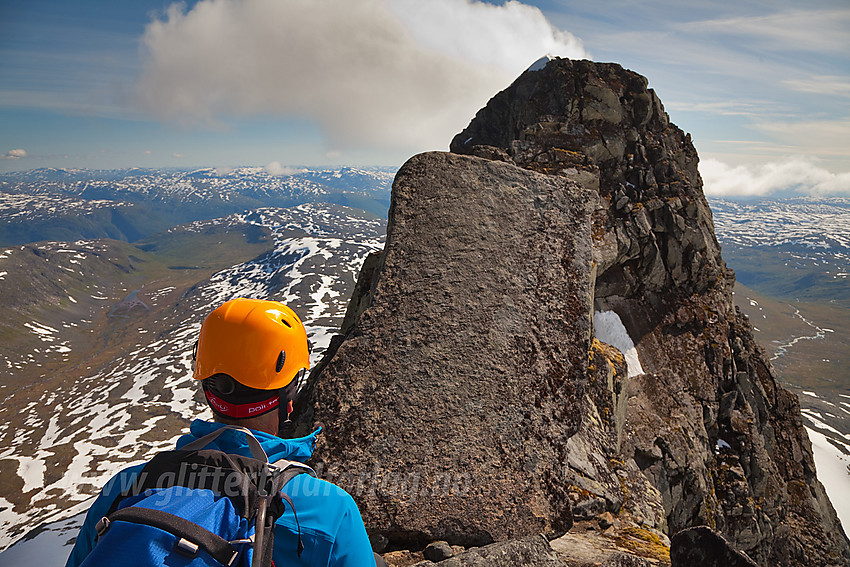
(589, 508)
(641, 158)
(466, 352)
(705, 377)
(533, 551)
(593, 549)
(438, 551)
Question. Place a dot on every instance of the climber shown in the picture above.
(249, 359)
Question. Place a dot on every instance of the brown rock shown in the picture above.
(449, 403)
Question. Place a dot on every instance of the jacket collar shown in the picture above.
(299, 449)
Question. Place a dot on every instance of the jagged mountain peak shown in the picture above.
(602, 125)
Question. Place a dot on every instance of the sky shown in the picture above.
(763, 86)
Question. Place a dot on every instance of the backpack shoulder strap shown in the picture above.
(253, 443)
(291, 469)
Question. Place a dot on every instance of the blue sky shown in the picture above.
(762, 86)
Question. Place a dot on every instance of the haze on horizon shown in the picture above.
(762, 87)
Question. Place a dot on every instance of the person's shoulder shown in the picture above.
(307, 485)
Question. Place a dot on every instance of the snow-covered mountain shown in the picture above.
(62, 438)
(816, 224)
(197, 185)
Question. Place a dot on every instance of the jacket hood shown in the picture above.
(299, 449)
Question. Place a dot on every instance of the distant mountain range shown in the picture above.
(792, 248)
(130, 204)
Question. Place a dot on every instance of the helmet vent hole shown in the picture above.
(222, 384)
(281, 358)
(285, 322)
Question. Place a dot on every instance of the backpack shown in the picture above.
(198, 507)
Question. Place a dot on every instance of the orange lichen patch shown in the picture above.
(644, 543)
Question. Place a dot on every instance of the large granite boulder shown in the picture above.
(449, 404)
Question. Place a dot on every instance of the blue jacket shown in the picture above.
(331, 527)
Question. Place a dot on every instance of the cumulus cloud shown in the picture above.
(14, 154)
(371, 73)
(795, 175)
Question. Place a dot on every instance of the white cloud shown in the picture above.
(508, 37)
(790, 30)
(821, 84)
(275, 168)
(823, 137)
(794, 174)
(372, 73)
(14, 154)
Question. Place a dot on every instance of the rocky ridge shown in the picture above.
(467, 352)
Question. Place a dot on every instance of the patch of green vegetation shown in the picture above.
(215, 246)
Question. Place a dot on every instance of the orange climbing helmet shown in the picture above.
(260, 344)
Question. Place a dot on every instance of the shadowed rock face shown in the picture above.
(466, 352)
(700, 546)
(458, 380)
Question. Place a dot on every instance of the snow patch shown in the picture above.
(832, 471)
(540, 63)
(609, 329)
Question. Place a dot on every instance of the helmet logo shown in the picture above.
(281, 358)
